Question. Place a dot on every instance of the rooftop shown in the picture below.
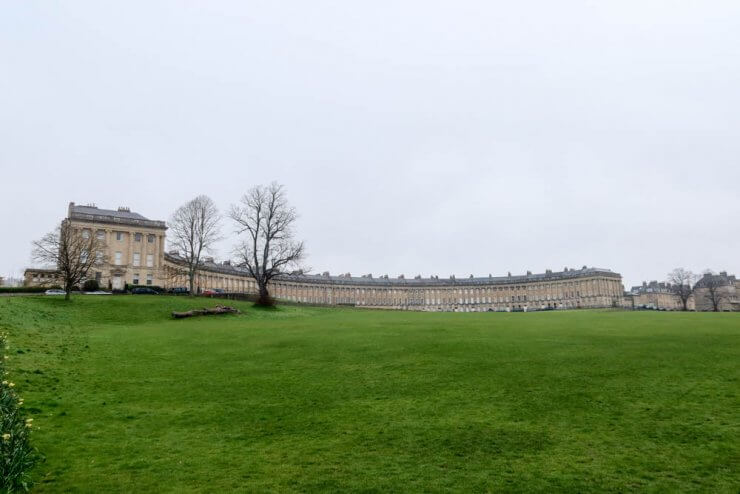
(722, 278)
(121, 215)
(368, 280)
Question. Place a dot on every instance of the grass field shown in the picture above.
(313, 400)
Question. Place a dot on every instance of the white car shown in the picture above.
(55, 292)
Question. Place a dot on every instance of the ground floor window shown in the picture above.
(136, 279)
(149, 279)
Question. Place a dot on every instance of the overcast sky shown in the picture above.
(413, 137)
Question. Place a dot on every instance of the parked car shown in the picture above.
(212, 291)
(179, 290)
(55, 292)
(142, 290)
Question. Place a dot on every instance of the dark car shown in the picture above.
(180, 290)
(142, 290)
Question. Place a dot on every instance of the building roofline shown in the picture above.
(117, 220)
(41, 270)
(410, 282)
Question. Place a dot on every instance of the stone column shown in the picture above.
(130, 256)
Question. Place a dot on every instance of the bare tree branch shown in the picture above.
(269, 249)
(682, 281)
(74, 250)
(194, 230)
(714, 289)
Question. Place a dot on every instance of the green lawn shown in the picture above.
(314, 400)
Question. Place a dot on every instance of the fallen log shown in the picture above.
(219, 309)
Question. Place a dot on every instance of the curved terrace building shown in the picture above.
(136, 256)
(567, 289)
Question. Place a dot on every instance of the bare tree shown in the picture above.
(269, 248)
(73, 250)
(714, 291)
(682, 281)
(194, 229)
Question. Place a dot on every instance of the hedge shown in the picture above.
(153, 287)
(25, 289)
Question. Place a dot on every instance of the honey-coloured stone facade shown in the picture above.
(568, 289)
(135, 254)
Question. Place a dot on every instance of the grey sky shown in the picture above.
(413, 137)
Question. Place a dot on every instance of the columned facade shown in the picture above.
(569, 289)
(135, 254)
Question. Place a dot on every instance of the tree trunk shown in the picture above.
(191, 279)
(264, 298)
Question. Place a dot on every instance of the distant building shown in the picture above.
(42, 277)
(135, 255)
(654, 295)
(727, 289)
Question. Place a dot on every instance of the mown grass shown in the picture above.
(314, 400)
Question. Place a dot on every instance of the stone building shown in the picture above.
(655, 295)
(135, 247)
(726, 287)
(568, 289)
(41, 277)
(135, 255)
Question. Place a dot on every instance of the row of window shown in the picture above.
(119, 236)
(118, 259)
(149, 278)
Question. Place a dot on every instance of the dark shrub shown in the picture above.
(91, 286)
(156, 288)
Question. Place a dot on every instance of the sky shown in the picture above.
(413, 137)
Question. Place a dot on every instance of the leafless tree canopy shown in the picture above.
(682, 281)
(269, 248)
(73, 250)
(194, 229)
(714, 289)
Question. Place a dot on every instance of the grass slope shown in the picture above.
(310, 399)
